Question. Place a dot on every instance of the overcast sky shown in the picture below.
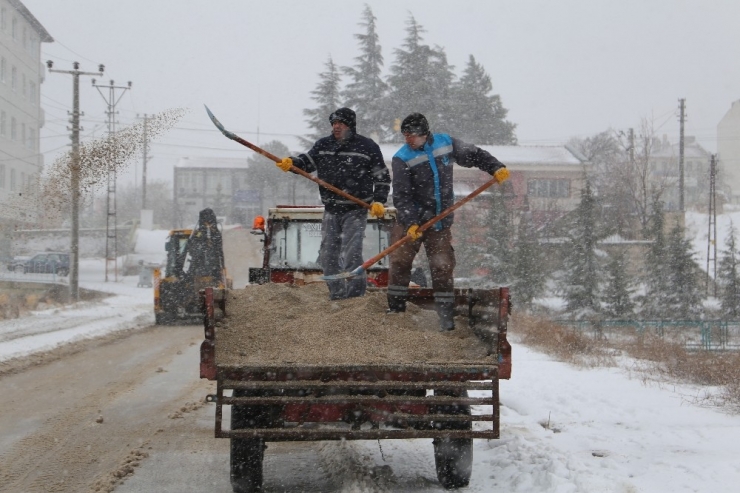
(566, 68)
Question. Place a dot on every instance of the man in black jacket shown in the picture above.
(354, 164)
(422, 189)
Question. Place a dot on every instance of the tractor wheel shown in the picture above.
(453, 458)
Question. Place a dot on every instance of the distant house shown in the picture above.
(232, 190)
(21, 115)
(728, 149)
(665, 156)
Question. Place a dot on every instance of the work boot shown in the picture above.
(446, 312)
(396, 304)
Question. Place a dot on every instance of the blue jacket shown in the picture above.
(422, 178)
(354, 165)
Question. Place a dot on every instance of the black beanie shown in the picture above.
(415, 123)
(346, 116)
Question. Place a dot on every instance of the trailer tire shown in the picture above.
(247, 454)
(246, 464)
(453, 458)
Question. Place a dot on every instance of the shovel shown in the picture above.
(370, 262)
(294, 169)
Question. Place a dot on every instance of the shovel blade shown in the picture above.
(344, 275)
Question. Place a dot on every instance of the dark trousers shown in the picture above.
(341, 251)
(441, 256)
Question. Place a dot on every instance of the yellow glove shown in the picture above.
(285, 164)
(414, 232)
(377, 210)
(501, 175)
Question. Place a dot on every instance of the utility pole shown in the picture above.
(111, 250)
(682, 108)
(144, 158)
(712, 234)
(74, 248)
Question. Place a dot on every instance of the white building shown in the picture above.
(21, 115)
(728, 149)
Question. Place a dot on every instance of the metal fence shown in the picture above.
(716, 335)
(41, 277)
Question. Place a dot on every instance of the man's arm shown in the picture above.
(470, 156)
(307, 161)
(380, 175)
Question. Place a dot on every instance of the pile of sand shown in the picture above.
(281, 324)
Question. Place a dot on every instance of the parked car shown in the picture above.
(44, 263)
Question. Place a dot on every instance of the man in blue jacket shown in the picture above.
(354, 164)
(422, 189)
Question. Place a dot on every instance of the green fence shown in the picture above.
(694, 334)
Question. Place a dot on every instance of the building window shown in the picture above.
(13, 78)
(2, 176)
(14, 29)
(32, 92)
(23, 180)
(3, 70)
(25, 37)
(23, 86)
(12, 179)
(3, 118)
(23, 134)
(13, 128)
(554, 188)
(31, 138)
(3, 19)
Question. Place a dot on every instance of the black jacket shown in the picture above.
(422, 190)
(354, 165)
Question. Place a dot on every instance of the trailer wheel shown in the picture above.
(247, 453)
(453, 458)
(246, 464)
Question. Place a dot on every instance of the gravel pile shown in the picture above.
(281, 324)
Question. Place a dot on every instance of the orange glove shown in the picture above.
(501, 175)
(377, 210)
(414, 232)
(285, 164)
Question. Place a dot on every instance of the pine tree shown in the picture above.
(327, 96)
(479, 116)
(656, 279)
(529, 278)
(581, 287)
(497, 238)
(420, 80)
(617, 297)
(366, 90)
(684, 297)
(728, 277)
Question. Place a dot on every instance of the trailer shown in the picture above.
(273, 400)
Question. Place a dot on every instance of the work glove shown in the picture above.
(377, 210)
(414, 232)
(501, 175)
(285, 164)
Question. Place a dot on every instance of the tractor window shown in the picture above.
(296, 244)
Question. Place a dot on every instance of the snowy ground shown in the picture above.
(563, 429)
(128, 307)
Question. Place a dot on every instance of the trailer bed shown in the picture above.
(279, 325)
